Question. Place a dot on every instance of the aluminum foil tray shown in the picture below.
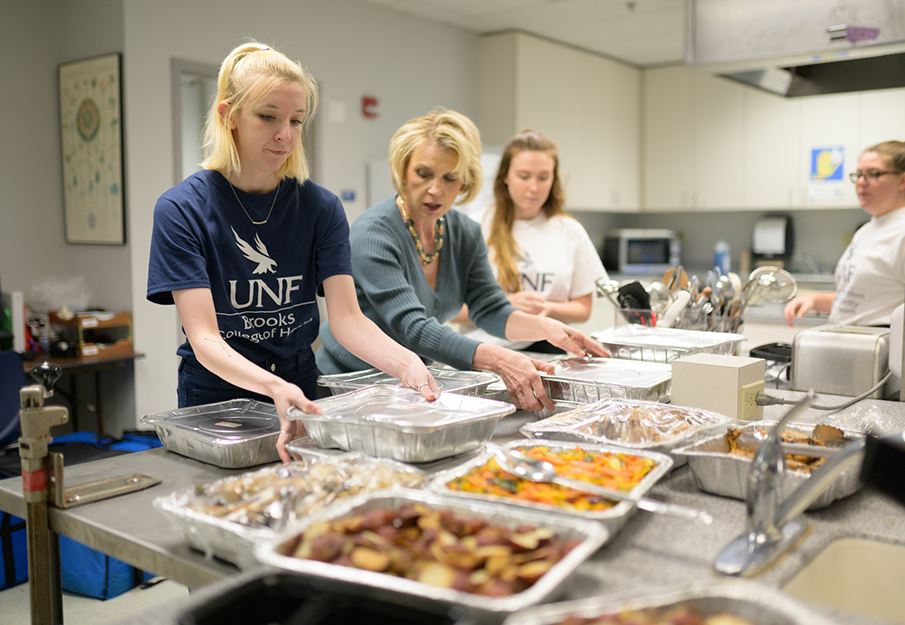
(559, 406)
(591, 536)
(663, 345)
(395, 422)
(637, 425)
(310, 485)
(234, 434)
(614, 518)
(759, 605)
(449, 380)
(717, 471)
(586, 380)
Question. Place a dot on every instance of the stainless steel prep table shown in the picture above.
(650, 551)
(128, 527)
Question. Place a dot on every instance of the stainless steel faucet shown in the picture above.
(773, 526)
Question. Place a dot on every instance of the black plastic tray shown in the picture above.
(287, 599)
(777, 352)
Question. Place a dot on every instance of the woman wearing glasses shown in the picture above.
(870, 276)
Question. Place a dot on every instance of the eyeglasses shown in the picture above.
(871, 175)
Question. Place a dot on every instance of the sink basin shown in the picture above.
(857, 575)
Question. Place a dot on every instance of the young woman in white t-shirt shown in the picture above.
(542, 257)
(870, 276)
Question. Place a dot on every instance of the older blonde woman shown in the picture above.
(243, 247)
(416, 262)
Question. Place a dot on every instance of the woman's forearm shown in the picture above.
(577, 310)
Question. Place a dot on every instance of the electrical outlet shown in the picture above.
(748, 408)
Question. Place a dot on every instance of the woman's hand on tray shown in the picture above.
(290, 395)
(573, 340)
(419, 378)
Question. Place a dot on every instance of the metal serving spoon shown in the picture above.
(526, 467)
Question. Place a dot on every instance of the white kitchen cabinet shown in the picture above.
(711, 144)
(588, 104)
(882, 118)
(830, 121)
(773, 170)
(719, 142)
(693, 141)
(667, 118)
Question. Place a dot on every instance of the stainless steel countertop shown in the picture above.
(650, 551)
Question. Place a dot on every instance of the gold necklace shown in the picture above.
(257, 223)
(426, 259)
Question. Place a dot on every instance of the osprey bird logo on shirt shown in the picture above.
(256, 254)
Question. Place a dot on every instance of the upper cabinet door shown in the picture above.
(719, 142)
(668, 139)
(587, 104)
(773, 170)
(829, 125)
(550, 94)
(882, 117)
(612, 136)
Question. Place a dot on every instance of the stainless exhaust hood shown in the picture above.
(802, 47)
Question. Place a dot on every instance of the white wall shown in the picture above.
(353, 49)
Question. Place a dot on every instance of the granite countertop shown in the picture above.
(653, 551)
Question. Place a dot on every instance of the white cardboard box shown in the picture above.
(719, 383)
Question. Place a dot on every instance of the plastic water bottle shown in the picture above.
(722, 256)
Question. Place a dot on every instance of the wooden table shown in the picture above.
(72, 365)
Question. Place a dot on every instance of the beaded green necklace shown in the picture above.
(426, 259)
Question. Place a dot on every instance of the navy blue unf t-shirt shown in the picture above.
(263, 278)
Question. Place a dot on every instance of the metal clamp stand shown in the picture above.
(42, 484)
(45, 586)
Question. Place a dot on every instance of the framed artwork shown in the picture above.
(91, 128)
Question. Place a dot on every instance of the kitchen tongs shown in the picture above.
(528, 468)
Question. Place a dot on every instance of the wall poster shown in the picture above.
(92, 150)
(826, 179)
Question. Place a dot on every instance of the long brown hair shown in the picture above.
(503, 247)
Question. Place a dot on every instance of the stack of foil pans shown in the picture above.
(586, 380)
(234, 434)
(449, 380)
(394, 422)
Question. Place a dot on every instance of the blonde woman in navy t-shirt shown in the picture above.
(243, 247)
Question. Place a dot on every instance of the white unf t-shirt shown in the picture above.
(557, 260)
(870, 276)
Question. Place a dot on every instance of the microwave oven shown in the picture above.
(641, 250)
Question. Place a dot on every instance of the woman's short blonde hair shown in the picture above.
(249, 73)
(451, 131)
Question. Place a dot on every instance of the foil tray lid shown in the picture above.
(447, 379)
(234, 420)
(631, 422)
(610, 372)
(404, 409)
(672, 338)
